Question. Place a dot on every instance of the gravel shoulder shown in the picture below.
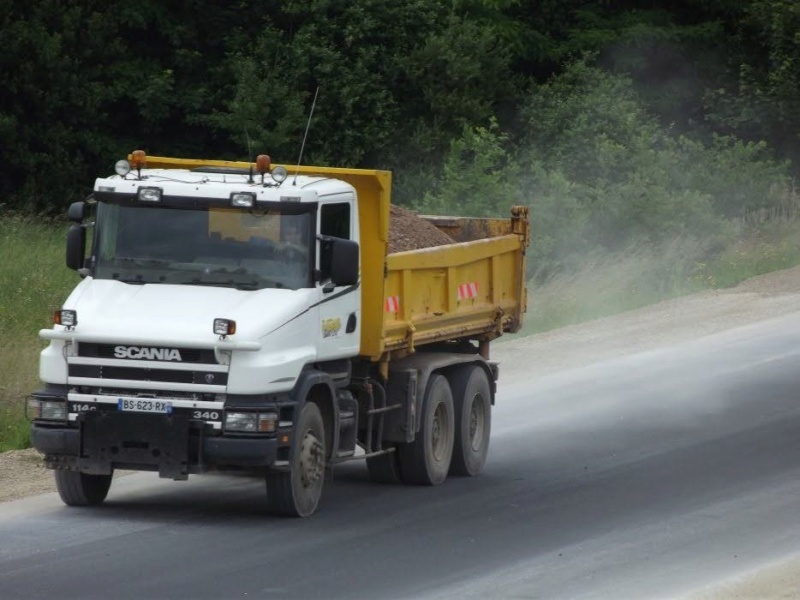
(22, 472)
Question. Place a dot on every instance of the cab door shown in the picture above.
(339, 306)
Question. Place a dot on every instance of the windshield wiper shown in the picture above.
(137, 279)
(143, 262)
(226, 271)
(239, 285)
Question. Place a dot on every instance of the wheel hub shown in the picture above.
(438, 436)
(312, 459)
(477, 422)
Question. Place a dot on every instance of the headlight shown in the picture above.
(48, 410)
(243, 199)
(67, 318)
(224, 327)
(250, 422)
(149, 194)
(279, 174)
(122, 167)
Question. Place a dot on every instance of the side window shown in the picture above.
(334, 221)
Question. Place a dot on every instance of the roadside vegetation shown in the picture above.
(654, 143)
(33, 283)
(610, 284)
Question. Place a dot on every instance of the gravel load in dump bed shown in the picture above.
(407, 231)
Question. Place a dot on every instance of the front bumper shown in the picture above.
(171, 445)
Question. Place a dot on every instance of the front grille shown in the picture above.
(135, 374)
(101, 391)
(187, 355)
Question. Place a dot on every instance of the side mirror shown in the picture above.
(76, 211)
(76, 246)
(344, 261)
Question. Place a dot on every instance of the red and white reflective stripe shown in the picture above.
(467, 290)
(392, 304)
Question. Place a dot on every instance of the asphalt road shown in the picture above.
(643, 477)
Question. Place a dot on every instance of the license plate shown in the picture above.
(147, 405)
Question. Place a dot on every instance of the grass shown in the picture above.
(34, 282)
(610, 284)
(18, 377)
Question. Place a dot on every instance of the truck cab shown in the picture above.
(205, 295)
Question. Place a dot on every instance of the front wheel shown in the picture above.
(426, 460)
(80, 489)
(296, 492)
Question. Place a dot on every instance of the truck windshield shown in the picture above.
(214, 246)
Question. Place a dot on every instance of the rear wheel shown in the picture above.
(80, 489)
(473, 409)
(426, 460)
(296, 492)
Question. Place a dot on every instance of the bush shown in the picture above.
(600, 173)
(479, 177)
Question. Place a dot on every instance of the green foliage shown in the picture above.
(397, 82)
(609, 283)
(33, 279)
(599, 172)
(33, 283)
(761, 98)
(606, 284)
(479, 177)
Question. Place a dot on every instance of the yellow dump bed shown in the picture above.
(471, 289)
(474, 288)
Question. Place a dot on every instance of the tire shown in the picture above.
(426, 460)
(296, 492)
(80, 489)
(473, 409)
(385, 468)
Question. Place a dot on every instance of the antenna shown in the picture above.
(250, 156)
(305, 135)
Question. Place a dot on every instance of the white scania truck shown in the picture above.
(234, 317)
